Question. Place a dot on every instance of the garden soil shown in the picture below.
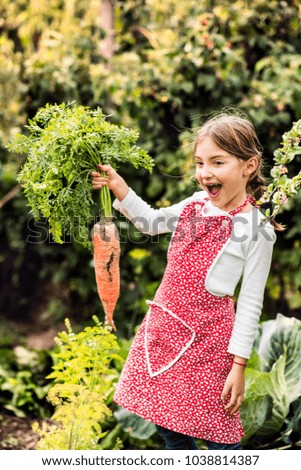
(16, 433)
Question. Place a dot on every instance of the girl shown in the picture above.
(185, 369)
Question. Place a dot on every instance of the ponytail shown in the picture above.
(257, 185)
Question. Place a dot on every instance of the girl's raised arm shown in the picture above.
(146, 219)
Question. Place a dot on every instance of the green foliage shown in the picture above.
(273, 385)
(282, 338)
(283, 187)
(83, 386)
(134, 425)
(23, 388)
(65, 143)
(266, 405)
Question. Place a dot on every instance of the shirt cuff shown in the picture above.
(126, 201)
(242, 352)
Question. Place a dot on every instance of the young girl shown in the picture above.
(185, 369)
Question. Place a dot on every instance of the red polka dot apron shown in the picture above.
(178, 363)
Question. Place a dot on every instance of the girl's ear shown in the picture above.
(251, 166)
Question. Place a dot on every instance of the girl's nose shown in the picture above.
(206, 171)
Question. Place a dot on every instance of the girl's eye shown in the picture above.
(218, 163)
(199, 163)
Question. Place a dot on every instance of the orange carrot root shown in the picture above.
(106, 244)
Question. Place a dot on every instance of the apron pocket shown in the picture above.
(167, 337)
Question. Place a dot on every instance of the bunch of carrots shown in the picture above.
(63, 144)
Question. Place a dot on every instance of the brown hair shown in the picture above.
(236, 135)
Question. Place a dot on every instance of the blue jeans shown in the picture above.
(176, 441)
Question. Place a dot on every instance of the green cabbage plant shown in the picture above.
(271, 411)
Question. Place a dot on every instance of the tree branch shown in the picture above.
(10, 195)
(107, 24)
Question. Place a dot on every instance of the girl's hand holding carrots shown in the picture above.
(110, 177)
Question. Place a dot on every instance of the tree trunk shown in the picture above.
(107, 24)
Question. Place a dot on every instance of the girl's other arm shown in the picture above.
(250, 298)
(248, 312)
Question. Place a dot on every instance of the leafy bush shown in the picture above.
(23, 387)
(82, 389)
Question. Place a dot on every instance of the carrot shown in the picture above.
(106, 245)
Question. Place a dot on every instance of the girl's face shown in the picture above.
(222, 175)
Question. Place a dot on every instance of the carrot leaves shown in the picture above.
(63, 144)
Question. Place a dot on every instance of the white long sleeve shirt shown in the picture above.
(246, 254)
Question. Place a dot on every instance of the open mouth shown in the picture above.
(213, 189)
